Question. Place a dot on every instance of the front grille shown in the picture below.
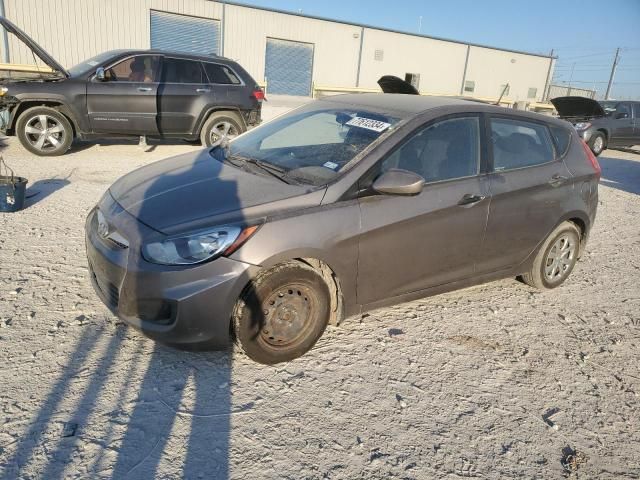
(109, 291)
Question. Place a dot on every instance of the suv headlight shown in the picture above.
(197, 247)
(582, 125)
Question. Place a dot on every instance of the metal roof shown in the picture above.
(373, 27)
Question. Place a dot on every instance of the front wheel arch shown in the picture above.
(27, 104)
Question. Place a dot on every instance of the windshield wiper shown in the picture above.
(273, 170)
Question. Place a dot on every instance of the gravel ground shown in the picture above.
(493, 381)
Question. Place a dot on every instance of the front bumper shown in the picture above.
(174, 305)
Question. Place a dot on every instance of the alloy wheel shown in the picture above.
(222, 130)
(560, 258)
(44, 132)
(598, 144)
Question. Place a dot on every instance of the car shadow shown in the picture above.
(620, 174)
(151, 143)
(41, 189)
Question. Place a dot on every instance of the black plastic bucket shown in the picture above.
(12, 190)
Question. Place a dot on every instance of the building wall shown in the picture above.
(73, 30)
(440, 64)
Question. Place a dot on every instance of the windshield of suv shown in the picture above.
(90, 64)
(311, 146)
(609, 107)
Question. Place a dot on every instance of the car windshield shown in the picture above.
(310, 146)
(90, 64)
(609, 107)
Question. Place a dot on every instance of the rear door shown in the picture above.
(410, 243)
(125, 102)
(529, 184)
(183, 95)
(636, 123)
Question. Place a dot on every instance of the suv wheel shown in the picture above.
(597, 143)
(220, 125)
(556, 258)
(44, 131)
(282, 313)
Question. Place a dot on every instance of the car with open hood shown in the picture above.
(125, 93)
(346, 204)
(602, 124)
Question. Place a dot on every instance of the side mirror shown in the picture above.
(100, 74)
(622, 115)
(398, 182)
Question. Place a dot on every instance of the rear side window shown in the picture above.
(518, 144)
(182, 71)
(562, 137)
(445, 150)
(221, 74)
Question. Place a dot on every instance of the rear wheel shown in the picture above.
(44, 131)
(597, 143)
(221, 125)
(556, 258)
(282, 314)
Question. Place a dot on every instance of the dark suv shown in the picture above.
(128, 93)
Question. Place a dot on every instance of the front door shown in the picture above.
(529, 187)
(410, 243)
(126, 101)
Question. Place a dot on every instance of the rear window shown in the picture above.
(221, 74)
(562, 137)
(518, 144)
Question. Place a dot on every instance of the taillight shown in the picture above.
(592, 158)
(258, 94)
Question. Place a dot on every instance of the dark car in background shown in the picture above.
(125, 93)
(347, 204)
(602, 124)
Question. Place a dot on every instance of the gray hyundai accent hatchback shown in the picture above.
(344, 205)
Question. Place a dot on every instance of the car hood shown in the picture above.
(577, 107)
(392, 84)
(190, 190)
(40, 52)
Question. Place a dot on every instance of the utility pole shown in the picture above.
(613, 71)
(420, 25)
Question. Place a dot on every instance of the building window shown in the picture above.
(504, 90)
(378, 55)
(469, 86)
(533, 93)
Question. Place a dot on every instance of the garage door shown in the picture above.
(182, 33)
(288, 67)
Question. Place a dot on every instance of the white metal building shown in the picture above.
(291, 52)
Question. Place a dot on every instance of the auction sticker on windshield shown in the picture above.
(369, 124)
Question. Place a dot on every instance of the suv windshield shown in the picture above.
(90, 64)
(311, 146)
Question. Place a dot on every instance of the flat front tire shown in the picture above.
(221, 125)
(556, 258)
(44, 131)
(282, 313)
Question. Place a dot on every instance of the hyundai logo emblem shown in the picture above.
(103, 226)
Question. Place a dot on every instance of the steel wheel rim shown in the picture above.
(288, 315)
(560, 258)
(222, 130)
(44, 132)
(598, 143)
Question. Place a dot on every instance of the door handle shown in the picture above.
(557, 180)
(470, 199)
(203, 90)
(144, 89)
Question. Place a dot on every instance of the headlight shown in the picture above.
(3, 91)
(582, 125)
(197, 247)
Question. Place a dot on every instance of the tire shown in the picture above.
(57, 131)
(282, 313)
(597, 143)
(218, 124)
(550, 270)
